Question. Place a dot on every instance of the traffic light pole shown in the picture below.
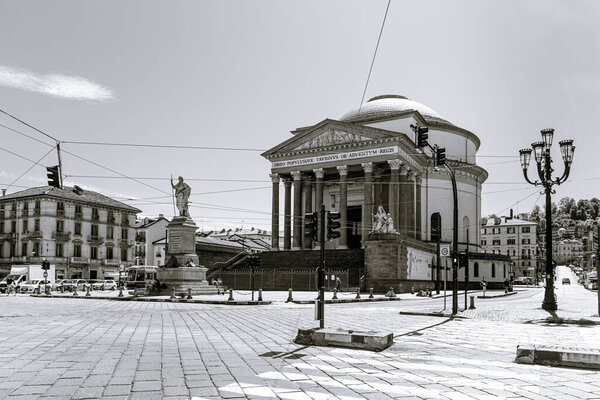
(454, 243)
(60, 175)
(321, 277)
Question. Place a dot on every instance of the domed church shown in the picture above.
(367, 162)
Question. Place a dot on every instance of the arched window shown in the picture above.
(476, 270)
(493, 270)
(436, 227)
(465, 229)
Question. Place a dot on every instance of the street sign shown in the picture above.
(445, 250)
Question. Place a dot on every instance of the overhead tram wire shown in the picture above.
(29, 169)
(30, 126)
(162, 146)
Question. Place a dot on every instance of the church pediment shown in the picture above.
(331, 137)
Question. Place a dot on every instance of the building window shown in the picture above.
(525, 229)
(110, 217)
(510, 229)
(60, 209)
(25, 225)
(36, 249)
(483, 242)
(36, 225)
(60, 226)
(95, 215)
(476, 270)
(13, 226)
(526, 241)
(2, 250)
(510, 241)
(94, 230)
(1, 226)
(78, 211)
(110, 232)
(496, 242)
(77, 250)
(124, 233)
(38, 205)
(59, 249)
(109, 253)
(77, 228)
(493, 270)
(124, 254)
(24, 249)
(436, 227)
(94, 252)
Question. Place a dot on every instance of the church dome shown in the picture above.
(381, 107)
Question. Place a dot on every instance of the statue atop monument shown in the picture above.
(182, 194)
(383, 222)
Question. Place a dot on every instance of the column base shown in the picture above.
(342, 246)
(296, 248)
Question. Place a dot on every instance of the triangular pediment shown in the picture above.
(326, 134)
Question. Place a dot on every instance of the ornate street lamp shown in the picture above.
(541, 152)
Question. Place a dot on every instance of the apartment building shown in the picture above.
(512, 237)
(83, 233)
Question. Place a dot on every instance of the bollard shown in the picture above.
(120, 291)
(260, 295)
(62, 289)
(75, 291)
(357, 294)
(429, 292)
(36, 290)
(370, 293)
(189, 296)
(334, 294)
(172, 293)
(472, 305)
(390, 293)
(412, 290)
(230, 295)
(290, 297)
(48, 290)
(87, 291)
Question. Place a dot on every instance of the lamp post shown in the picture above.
(541, 151)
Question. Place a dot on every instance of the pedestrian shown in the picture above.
(506, 285)
(338, 283)
(484, 285)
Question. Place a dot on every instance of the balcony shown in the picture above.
(60, 213)
(140, 238)
(95, 217)
(80, 260)
(112, 262)
(95, 239)
(25, 213)
(61, 236)
(78, 215)
(8, 236)
(110, 220)
(34, 235)
(126, 242)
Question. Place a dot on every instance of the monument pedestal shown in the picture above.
(186, 273)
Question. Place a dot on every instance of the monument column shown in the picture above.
(411, 204)
(403, 223)
(367, 218)
(394, 191)
(319, 174)
(287, 213)
(343, 171)
(275, 213)
(297, 210)
(418, 181)
(308, 207)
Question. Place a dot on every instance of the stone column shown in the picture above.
(395, 192)
(403, 224)
(308, 207)
(297, 177)
(275, 213)
(319, 174)
(287, 213)
(367, 219)
(377, 200)
(411, 204)
(418, 221)
(343, 171)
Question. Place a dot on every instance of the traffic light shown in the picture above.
(440, 156)
(422, 136)
(253, 261)
(333, 225)
(463, 259)
(53, 177)
(310, 226)
(45, 265)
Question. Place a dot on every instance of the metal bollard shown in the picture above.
(62, 289)
(230, 295)
(36, 290)
(189, 296)
(412, 290)
(290, 297)
(472, 305)
(120, 291)
(429, 292)
(75, 291)
(172, 293)
(370, 293)
(357, 294)
(334, 294)
(87, 291)
(260, 295)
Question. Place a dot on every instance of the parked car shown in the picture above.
(566, 281)
(523, 280)
(104, 285)
(31, 286)
(70, 284)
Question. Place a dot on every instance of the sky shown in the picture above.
(240, 75)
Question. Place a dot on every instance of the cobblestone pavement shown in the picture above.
(89, 349)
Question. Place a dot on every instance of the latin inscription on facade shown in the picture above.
(336, 157)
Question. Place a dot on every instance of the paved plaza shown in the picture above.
(89, 349)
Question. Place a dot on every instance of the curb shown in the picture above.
(192, 301)
(498, 295)
(557, 356)
(345, 300)
(563, 321)
(431, 314)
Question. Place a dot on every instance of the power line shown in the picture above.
(162, 146)
(374, 55)
(29, 169)
(31, 126)
(168, 179)
(17, 155)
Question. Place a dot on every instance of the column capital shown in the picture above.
(367, 167)
(319, 173)
(395, 164)
(296, 175)
(307, 179)
(274, 178)
(286, 181)
(342, 170)
(412, 175)
(418, 178)
(403, 170)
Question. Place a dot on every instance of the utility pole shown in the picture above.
(60, 174)
(321, 272)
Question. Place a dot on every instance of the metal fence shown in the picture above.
(284, 279)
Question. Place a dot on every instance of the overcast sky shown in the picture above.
(243, 74)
